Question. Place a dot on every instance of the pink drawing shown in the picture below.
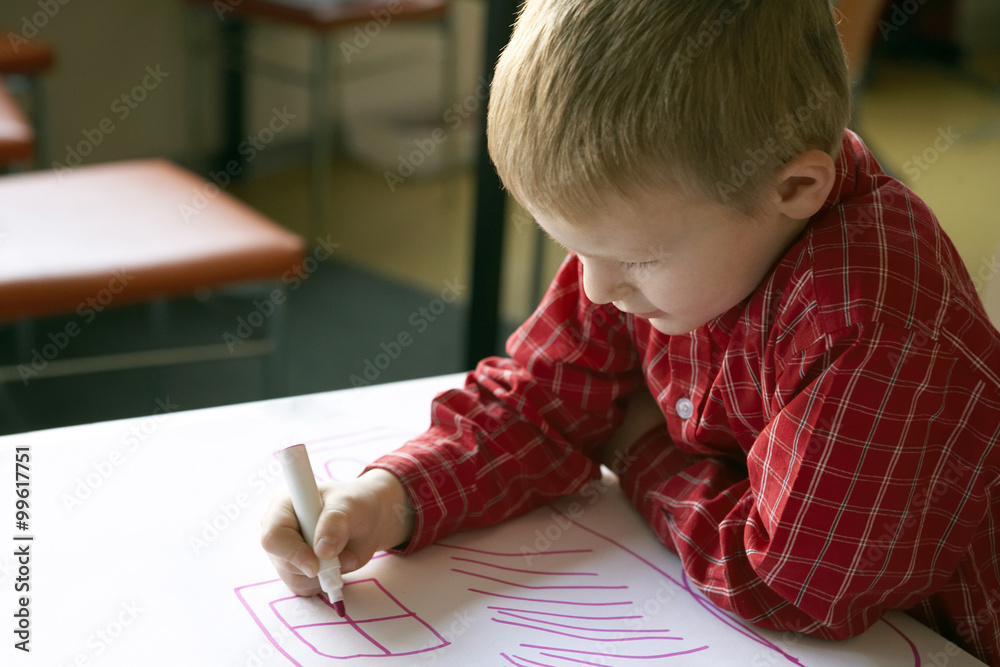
(377, 626)
(589, 627)
(344, 456)
(723, 616)
(560, 607)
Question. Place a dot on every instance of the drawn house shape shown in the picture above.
(377, 626)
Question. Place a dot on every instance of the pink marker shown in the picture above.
(307, 503)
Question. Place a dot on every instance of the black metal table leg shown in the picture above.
(234, 90)
(491, 209)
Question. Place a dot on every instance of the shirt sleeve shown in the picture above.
(523, 430)
(861, 494)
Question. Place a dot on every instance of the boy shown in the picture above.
(772, 343)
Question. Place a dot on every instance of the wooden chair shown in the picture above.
(321, 20)
(28, 61)
(17, 140)
(97, 237)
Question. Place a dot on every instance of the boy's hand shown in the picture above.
(359, 517)
(641, 415)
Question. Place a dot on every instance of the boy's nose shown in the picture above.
(603, 281)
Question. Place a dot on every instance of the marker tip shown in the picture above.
(339, 607)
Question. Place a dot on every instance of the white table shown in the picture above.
(145, 551)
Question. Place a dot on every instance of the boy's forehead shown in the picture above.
(638, 210)
(618, 233)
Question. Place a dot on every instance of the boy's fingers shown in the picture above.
(297, 583)
(288, 551)
(281, 538)
(332, 532)
(349, 561)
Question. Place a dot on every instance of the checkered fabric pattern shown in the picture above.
(831, 447)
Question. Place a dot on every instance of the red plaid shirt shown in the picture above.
(831, 447)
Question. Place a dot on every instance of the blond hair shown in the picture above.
(593, 98)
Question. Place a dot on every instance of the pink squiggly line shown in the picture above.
(719, 614)
(577, 661)
(382, 434)
(520, 664)
(913, 647)
(572, 636)
(532, 662)
(511, 569)
(686, 585)
(581, 604)
(612, 655)
(712, 609)
(517, 555)
(541, 588)
(578, 627)
(549, 613)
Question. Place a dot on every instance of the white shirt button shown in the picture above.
(684, 408)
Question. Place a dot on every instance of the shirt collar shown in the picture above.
(854, 159)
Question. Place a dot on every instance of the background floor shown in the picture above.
(397, 253)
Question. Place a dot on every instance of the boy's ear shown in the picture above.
(804, 184)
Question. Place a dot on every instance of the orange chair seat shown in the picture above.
(27, 57)
(127, 232)
(330, 18)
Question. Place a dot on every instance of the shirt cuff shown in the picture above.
(651, 461)
(432, 495)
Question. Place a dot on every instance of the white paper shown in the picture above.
(146, 552)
